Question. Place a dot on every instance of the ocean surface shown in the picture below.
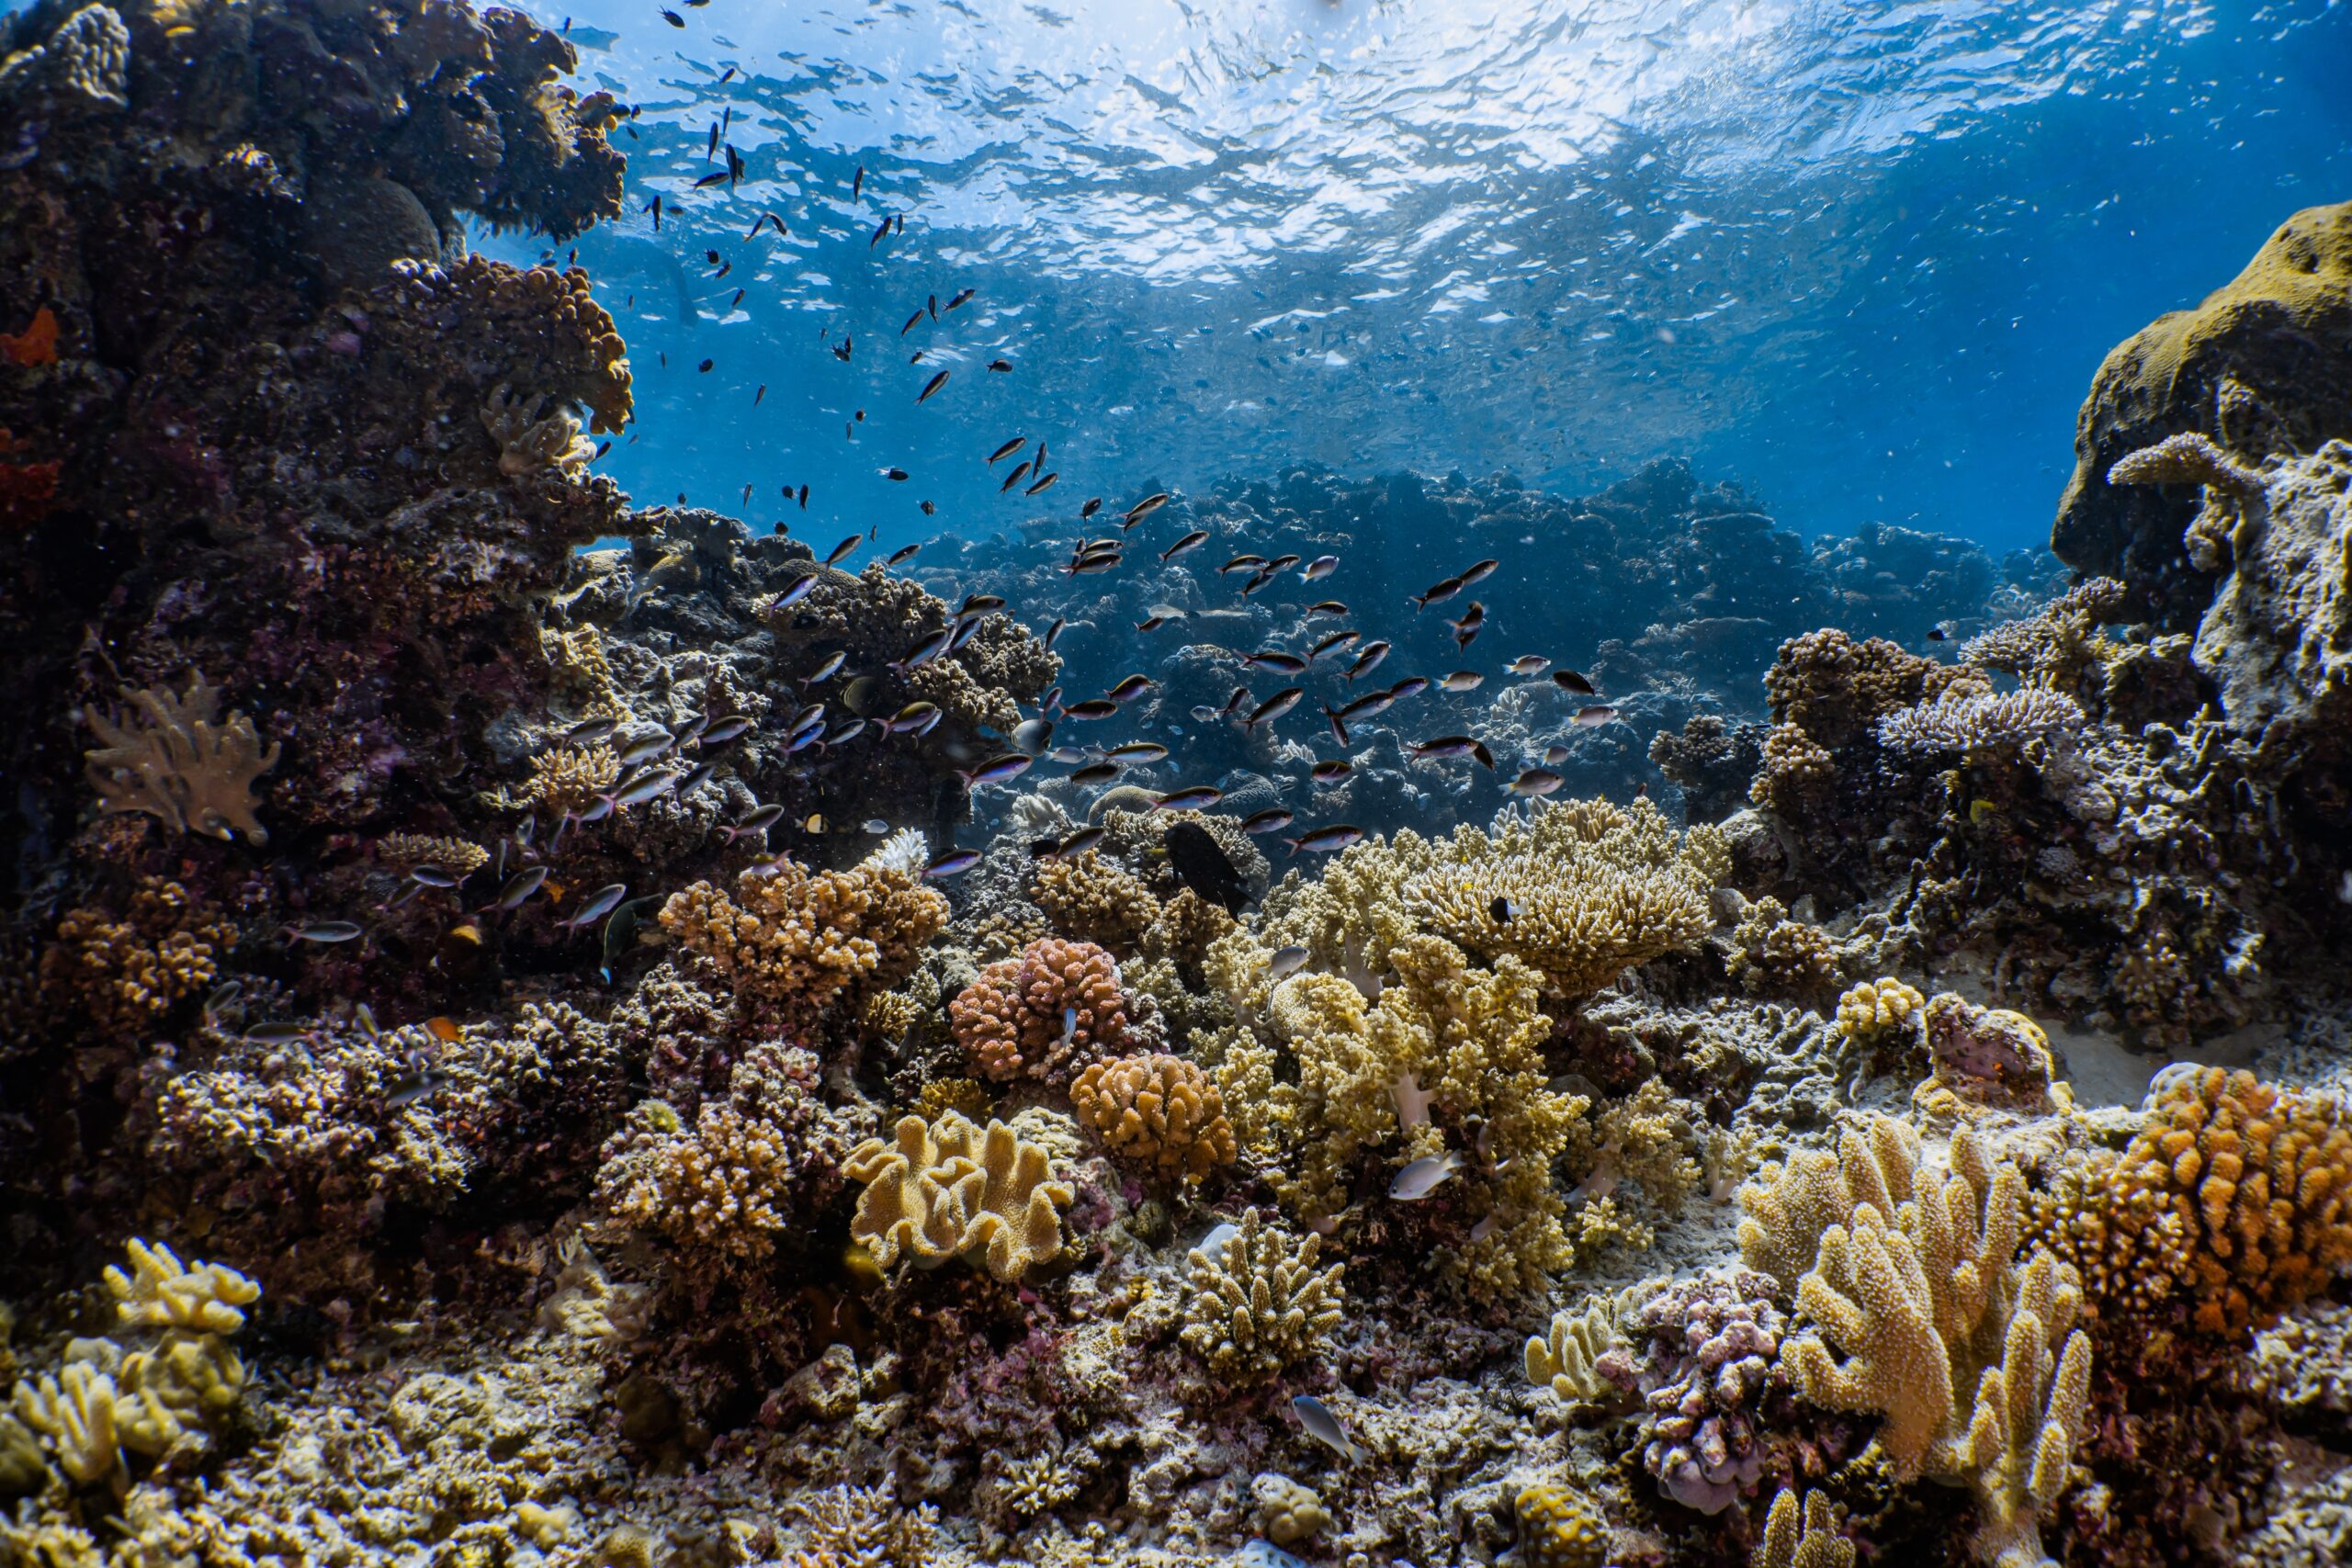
(1861, 257)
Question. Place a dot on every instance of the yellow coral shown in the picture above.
(798, 940)
(950, 1190)
(175, 759)
(404, 853)
(1874, 1011)
(1559, 1527)
(563, 779)
(162, 1292)
(1812, 1542)
(1256, 1304)
(75, 1410)
(125, 974)
(1565, 1360)
(1159, 1109)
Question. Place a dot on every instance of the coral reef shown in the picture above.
(948, 1189)
(1160, 1111)
(1256, 1304)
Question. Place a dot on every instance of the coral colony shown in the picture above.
(538, 1081)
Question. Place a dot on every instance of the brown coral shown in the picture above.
(175, 759)
(1044, 1014)
(1157, 1110)
(1095, 899)
(2236, 1192)
(123, 973)
(795, 940)
(948, 1189)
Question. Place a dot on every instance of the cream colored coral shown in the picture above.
(75, 1410)
(792, 937)
(1785, 1215)
(161, 1292)
(527, 442)
(1258, 1304)
(405, 852)
(951, 1189)
(563, 778)
(175, 759)
(1874, 1010)
(1565, 1360)
(1818, 1546)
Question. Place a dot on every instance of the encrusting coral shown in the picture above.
(1044, 1014)
(1158, 1111)
(1256, 1304)
(949, 1189)
(175, 759)
(1559, 1527)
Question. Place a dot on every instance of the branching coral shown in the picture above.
(1567, 1359)
(123, 974)
(1256, 1304)
(1093, 900)
(564, 780)
(1044, 1014)
(1158, 1111)
(1810, 1540)
(2237, 1195)
(794, 940)
(404, 852)
(161, 1292)
(175, 759)
(1773, 956)
(948, 1189)
(1916, 1310)
(1975, 719)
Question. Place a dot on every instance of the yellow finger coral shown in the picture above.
(1256, 1303)
(1812, 1542)
(948, 1189)
(162, 1292)
(75, 1410)
(1565, 1360)
(796, 940)
(1158, 1111)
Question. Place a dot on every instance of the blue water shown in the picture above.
(1862, 258)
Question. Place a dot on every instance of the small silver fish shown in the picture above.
(1196, 799)
(276, 1033)
(1423, 1177)
(828, 669)
(1324, 1427)
(647, 748)
(1599, 714)
(1555, 755)
(759, 822)
(722, 730)
(520, 886)
(412, 1087)
(1529, 664)
(1033, 735)
(953, 862)
(1463, 681)
(591, 731)
(326, 931)
(432, 876)
(1536, 781)
(1320, 567)
(875, 825)
(1069, 1025)
(1286, 961)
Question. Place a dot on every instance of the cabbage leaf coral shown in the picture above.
(949, 1189)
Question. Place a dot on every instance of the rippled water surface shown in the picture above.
(1863, 256)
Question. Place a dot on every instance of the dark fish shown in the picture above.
(1327, 607)
(1201, 864)
(953, 862)
(959, 299)
(1367, 660)
(1321, 566)
(1140, 751)
(647, 748)
(1275, 660)
(1467, 627)
(519, 887)
(1570, 680)
(326, 932)
(1131, 688)
(1331, 771)
(1273, 820)
(1273, 707)
(937, 382)
(1008, 449)
(1536, 781)
(839, 552)
(1014, 478)
(1151, 622)
(620, 935)
(1410, 686)
(846, 733)
(1502, 909)
(1100, 561)
(1052, 632)
(1095, 773)
(910, 325)
(841, 349)
(1324, 840)
(896, 476)
(432, 876)
(1238, 562)
(857, 184)
(645, 787)
(1095, 708)
(1445, 746)
(725, 729)
(717, 176)
(1438, 592)
(1280, 562)
(1336, 640)
(407, 1088)
(930, 509)
(1000, 364)
(1323, 1426)
(1146, 506)
(1198, 798)
(674, 19)
(795, 590)
(602, 902)
(996, 769)
(880, 230)
(1478, 573)
(933, 305)
(1093, 504)
(759, 822)
(804, 498)
(915, 718)
(1041, 486)
(276, 1033)
(826, 671)
(702, 773)
(974, 603)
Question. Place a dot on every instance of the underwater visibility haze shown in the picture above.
(1376, 786)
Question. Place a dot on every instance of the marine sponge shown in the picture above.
(528, 441)
(1095, 899)
(795, 941)
(948, 1189)
(175, 759)
(2236, 1191)
(1044, 1014)
(1158, 1111)
(1584, 892)
(1256, 1304)
(1559, 1527)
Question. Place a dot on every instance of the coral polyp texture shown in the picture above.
(537, 1028)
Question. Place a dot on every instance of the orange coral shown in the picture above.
(2236, 1191)
(36, 345)
(1039, 1016)
(1156, 1110)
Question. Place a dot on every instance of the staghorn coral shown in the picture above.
(176, 761)
(1810, 1540)
(1566, 1359)
(2234, 1196)
(1910, 1274)
(1702, 1355)
(1093, 900)
(1158, 1111)
(948, 1189)
(1044, 1014)
(2059, 647)
(794, 940)
(1962, 719)
(1255, 1303)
